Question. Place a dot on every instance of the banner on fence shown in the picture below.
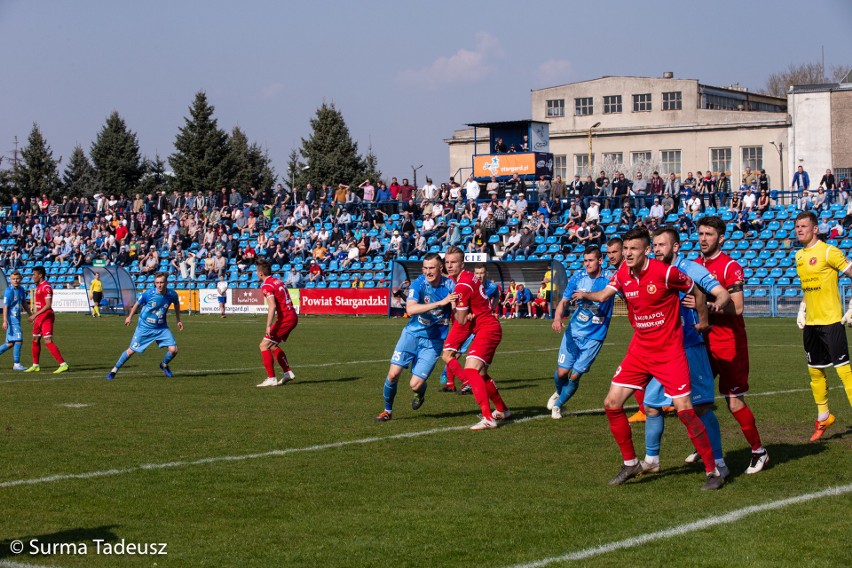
(74, 300)
(344, 301)
(239, 301)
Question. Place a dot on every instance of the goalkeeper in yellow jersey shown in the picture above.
(821, 315)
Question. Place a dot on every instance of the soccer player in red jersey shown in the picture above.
(280, 321)
(650, 288)
(473, 308)
(727, 343)
(42, 319)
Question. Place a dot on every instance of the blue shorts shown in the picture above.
(419, 352)
(146, 336)
(223, 299)
(700, 375)
(466, 345)
(14, 334)
(578, 354)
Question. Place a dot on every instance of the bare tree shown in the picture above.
(804, 74)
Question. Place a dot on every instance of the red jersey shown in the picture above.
(472, 296)
(42, 293)
(653, 304)
(725, 328)
(275, 288)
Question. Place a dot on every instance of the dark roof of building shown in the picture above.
(505, 123)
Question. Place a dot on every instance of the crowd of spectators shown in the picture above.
(312, 228)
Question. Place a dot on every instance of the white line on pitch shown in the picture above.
(13, 564)
(287, 451)
(179, 372)
(679, 530)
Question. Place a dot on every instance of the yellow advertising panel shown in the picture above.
(504, 165)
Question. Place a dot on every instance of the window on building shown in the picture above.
(556, 107)
(670, 162)
(720, 160)
(642, 103)
(752, 157)
(560, 165)
(612, 104)
(842, 173)
(638, 158)
(672, 101)
(583, 106)
(613, 161)
(581, 165)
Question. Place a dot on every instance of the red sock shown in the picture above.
(494, 394)
(640, 398)
(282, 359)
(454, 369)
(36, 351)
(480, 394)
(268, 362)
(698, 437)
(54, 350)
(620, 428)
(749, 427)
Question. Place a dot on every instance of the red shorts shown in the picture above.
(43, 325)
(280, 330)
(486, 339)
(730, 362)
(669, 367)
(456, 337)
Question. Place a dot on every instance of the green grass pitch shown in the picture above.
(232, 475)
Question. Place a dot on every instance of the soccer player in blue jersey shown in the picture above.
(152, 324)
(14, 301)
(666, 247)
(421, 341)
(586, 331)
(492, 291)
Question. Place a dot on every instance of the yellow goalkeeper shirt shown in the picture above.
(97, 286)
(817, 267)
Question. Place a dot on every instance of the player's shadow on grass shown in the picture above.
(76, 536)
(319, 381)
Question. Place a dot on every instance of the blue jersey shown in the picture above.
(689, 317)
(434, 323)
(491, 289)
(14, 300)
(155, 307)
(590, 319)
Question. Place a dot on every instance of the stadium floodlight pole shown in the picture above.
(780, 147)
(592, 127)
(414, 171)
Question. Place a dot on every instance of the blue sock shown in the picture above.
(122, 360)
(557, 382)
(4, 347)
(169, 356)
(654, 426)
(390, 394)
(444, 377)
(714, 432)
(17, 353)
(568, 390)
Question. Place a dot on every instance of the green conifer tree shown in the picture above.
(330, 151)
(79, 178)
(116, 158)
(36, 173)
(201, 159)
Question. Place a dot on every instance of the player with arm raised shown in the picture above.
(429, 307)
(14, 300)
(281, 320)
(43, 319)
(694, 317)
(584, 334)
(818, 265)
(727, 342)
(152, 325)
(473, 308)
(650, 289)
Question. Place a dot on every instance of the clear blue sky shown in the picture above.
(404, 74)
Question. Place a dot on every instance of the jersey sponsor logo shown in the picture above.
(583, 317)
(652, 289)
(812, 260)
(631, 294)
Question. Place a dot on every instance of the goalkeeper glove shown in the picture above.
(847, 317)
(800, 319)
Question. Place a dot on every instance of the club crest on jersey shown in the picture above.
(652, 289)
(812, 261)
